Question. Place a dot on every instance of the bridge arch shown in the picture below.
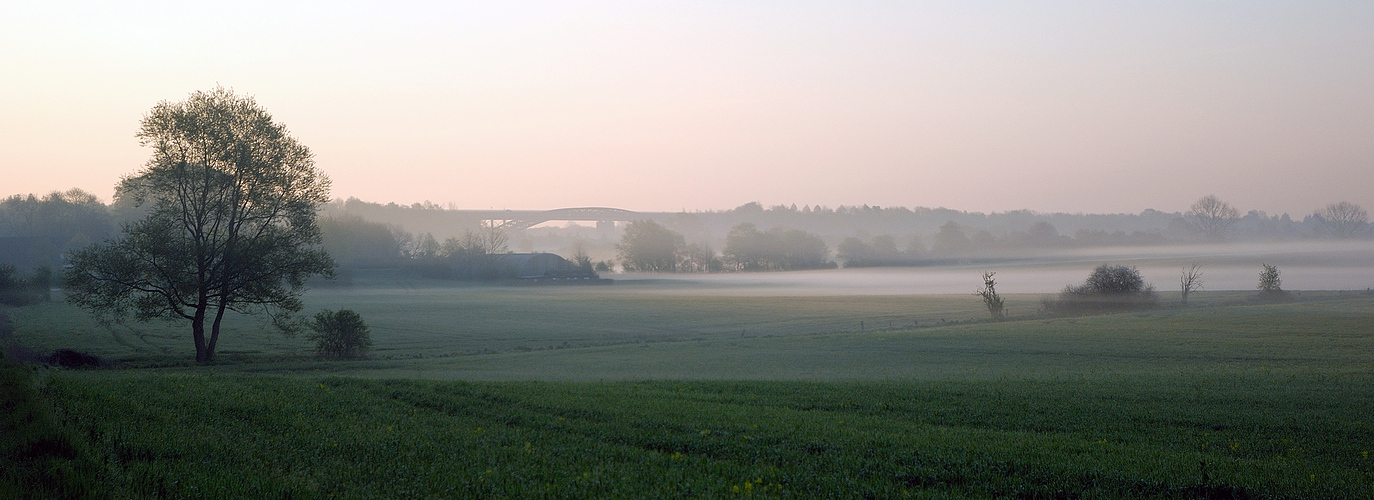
(517, 221)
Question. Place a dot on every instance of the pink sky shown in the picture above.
(986, 106)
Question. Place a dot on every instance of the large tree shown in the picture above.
(748, 249)
(1213, 217)
(648, 246)
(1343, 219)
(230, 224)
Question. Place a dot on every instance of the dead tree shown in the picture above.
(1190, 280)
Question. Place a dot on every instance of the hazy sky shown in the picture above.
(986, 106)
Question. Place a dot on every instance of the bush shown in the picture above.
(1108, 288)
(340, 335)
(1270, 284)
(16, 290)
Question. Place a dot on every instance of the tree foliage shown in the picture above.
(230, 201)
(357, 243)
(18, 290)
(1108, 287)
(951, 240)
(882, 251)
(340, 334)
(778, 249)
(699, 258)
(1269, 281)
(1107, 279)
(648, 246)
(51, 225)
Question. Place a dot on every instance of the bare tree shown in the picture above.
(1213, 217)
(990, 297)
(1190, 280)
(1343, 219)
(488, 239)
(426, 246)
(579, 257)
(493, 238)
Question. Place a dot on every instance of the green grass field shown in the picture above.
(428, 319)
(637, 393)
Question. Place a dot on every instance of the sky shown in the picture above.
(1095, 107)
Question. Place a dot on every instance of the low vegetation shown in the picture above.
(340, 334)
(18, 290)
(1108, 288)
(1271, 284)
(1225, 399)
(1109, 437)
(40, 458)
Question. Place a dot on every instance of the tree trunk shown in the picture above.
(203, 354)
(214, 328)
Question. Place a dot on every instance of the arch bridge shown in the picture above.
(517, 220)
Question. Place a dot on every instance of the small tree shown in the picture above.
(990, 297)
(1190, 280)
(1269, 281)
(340, 334)
(580, 258)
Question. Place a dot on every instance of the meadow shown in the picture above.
(658, 391)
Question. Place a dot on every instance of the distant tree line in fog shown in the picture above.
(426, 238)
(37, 231)
(651, 247)
(357, 243)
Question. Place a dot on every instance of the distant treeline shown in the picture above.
(38, 231)
(896, 236)
(649, 246)
(357, 243)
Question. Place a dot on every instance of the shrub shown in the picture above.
(1270, 284)
(340, 335)
(1108, 288)
(1269, 281)
(17, 290)
(991, 299)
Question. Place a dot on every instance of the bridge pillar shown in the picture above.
(605, 225)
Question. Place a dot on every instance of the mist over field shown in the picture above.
(1304, 266)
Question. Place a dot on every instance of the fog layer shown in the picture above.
(1304, 266)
